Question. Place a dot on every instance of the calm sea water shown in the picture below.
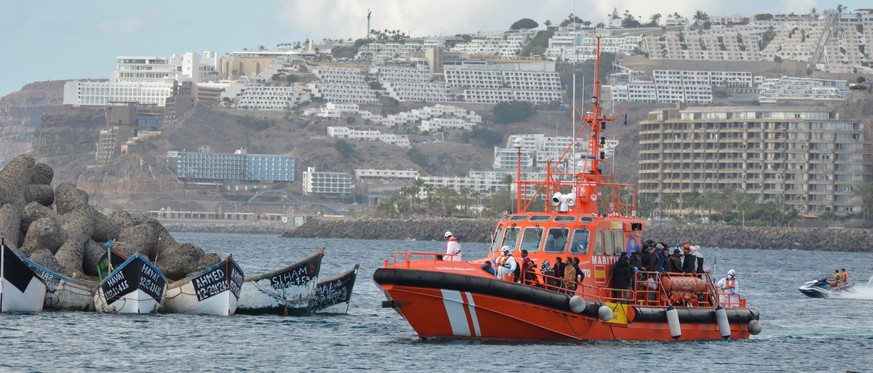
(800, 333)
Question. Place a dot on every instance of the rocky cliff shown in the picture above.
(479, 230)
(20, 114)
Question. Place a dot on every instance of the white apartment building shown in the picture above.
(789, 88)
(805, 157)
(439, 124)
(368, 135)
(493, 45)
(383, 52)
(142, 79)
(418, 91)
(82, 93)
(483, 185)
(334, 183)
(259, 97)
(580, 45)
(343, 92)
(385, 175)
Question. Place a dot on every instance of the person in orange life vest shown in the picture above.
(506, 264)
(729, 283)
(845, 277)
(453, 248)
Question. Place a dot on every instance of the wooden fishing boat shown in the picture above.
(134, 286)
(21, 290)
(212, 291)
(285, 291)
(64, 292)
(581, 215)
(333, 295)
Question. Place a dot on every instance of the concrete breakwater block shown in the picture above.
(59, 229)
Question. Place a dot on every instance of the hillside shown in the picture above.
(20, 114)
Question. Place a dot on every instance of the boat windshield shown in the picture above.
(580, 241)
(531, 239)
(557, 240)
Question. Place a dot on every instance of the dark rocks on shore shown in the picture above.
(59, 229)
(480, 230)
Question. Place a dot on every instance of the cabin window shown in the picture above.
(580, 241)
(530, 241)
(556, 240)
(518, 218)
(540, 218)
(510, 238)
(608, 242)
(598, 243)
(564, 218)
(495, 245)
(619, 242)
(586, 219)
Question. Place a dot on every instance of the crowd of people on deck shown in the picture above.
(653, 259)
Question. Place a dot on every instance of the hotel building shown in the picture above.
(807, 158)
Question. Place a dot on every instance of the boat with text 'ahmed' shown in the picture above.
(212, 291)
(569, 211)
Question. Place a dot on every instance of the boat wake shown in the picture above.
(856, 292)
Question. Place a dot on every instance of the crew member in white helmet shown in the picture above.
(506, 264)
(729, 290)
(453, 248)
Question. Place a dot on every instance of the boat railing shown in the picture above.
(405, 257)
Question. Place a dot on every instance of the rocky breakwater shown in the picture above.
(820, 239)
(57, 228)
(479, 230)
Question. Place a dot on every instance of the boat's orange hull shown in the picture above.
(434, 312)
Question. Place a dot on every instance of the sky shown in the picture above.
(64, 39)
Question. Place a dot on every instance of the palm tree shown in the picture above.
(700, 17)
(865, 191)
(507, 179)
(667, 201)
(655, 19)
(446, 197)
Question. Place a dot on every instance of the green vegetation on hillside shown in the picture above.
(417, 157)
(257, 124)
(344, 148)
(524, 24)
(512, 111)
(539, 44)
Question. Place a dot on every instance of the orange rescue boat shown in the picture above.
(588, 218)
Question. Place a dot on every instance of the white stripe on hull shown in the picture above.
(454, 303)
(31, 300)
(182, 300)
(135, 302)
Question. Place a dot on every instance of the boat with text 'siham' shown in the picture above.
(285, 291)
(583, 216)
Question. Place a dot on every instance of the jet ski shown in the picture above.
(821, 288)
